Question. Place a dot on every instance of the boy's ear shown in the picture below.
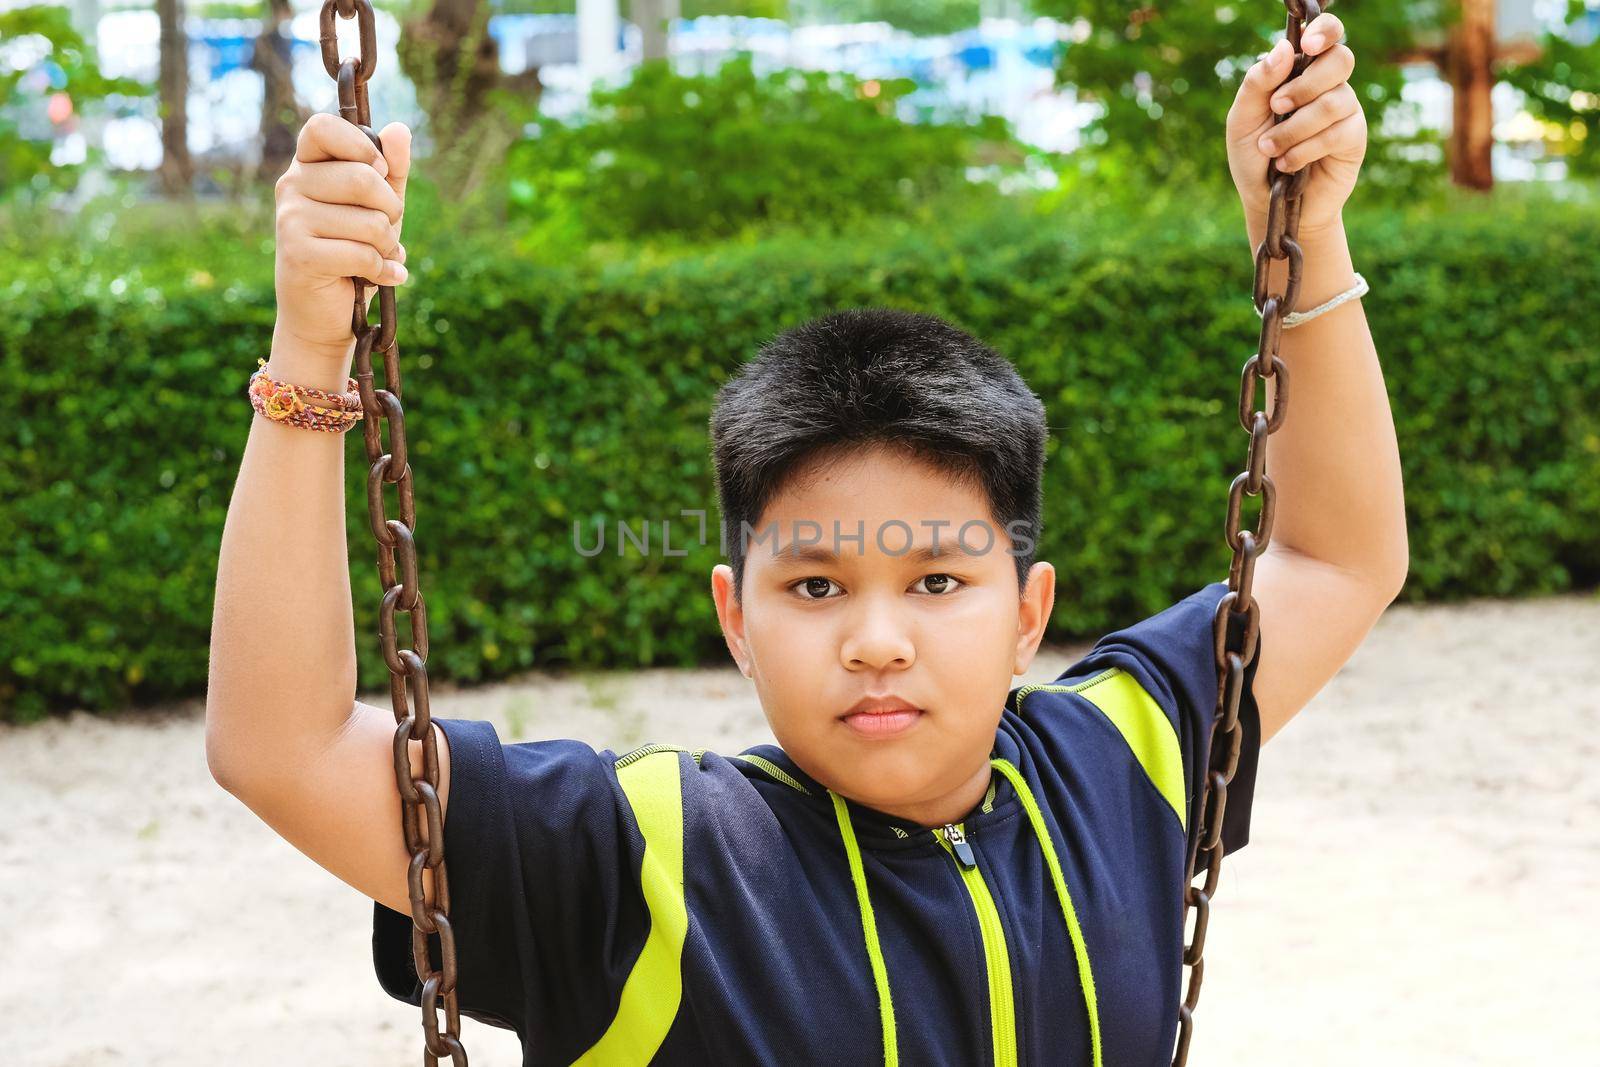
(1033, 613)
(730, 615)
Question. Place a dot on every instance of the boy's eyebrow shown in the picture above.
(816, 553)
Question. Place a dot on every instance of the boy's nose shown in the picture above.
(878, 640)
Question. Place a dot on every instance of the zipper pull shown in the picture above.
(958, 845)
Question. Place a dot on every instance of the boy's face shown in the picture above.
(848, 618)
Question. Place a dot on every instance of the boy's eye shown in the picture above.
(817, 588)
(813, 585)
(940, 584)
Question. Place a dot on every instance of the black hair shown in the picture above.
(874, 377)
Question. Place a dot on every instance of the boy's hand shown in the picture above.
(1328, 132)
(340, 206)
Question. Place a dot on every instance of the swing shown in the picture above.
(397, 551)
(1235, 629)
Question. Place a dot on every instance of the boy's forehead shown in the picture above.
(877, 486)
(901, 523)
(910, 546)
(885, 506)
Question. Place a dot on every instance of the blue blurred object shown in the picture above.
(1042, 55)
(976, 57)
(226, 52)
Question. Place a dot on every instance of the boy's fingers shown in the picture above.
(343, 182)
(326, 137)
(1342, 135)
(351, 223)
(1320, 32)
(396, 138)
(1250, 109)
(356, 259)
(1323, 112)
(1326, 73)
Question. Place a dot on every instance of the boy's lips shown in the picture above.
(882, 716)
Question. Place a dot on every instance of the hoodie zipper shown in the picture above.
(1002, 1007)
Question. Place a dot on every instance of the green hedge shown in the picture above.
(539, 393)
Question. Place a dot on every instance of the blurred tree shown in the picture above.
(176, 168)
(756, 9)
(1562, 85)
(689, 9)
(281, 112)
(1166, 73)
(1561, 81)
(25, 164)
(1466, 51)
(652, 17)
(926, 17)
(474, 110)
(710, 155)
(1468, 61)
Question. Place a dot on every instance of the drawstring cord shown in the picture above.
(869, 925)
(1068, 912)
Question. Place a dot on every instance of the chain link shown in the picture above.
(397, 568)
(1236, 624)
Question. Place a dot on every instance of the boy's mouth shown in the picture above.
(881, 716)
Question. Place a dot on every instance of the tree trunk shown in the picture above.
(1471, 74)
(455, 66)
(281, 113)
(92, 122)
(177, 170)
(451, 59)
(653, 17)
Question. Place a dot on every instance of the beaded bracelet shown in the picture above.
(303, 406)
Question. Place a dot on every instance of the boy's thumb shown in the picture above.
(1251, 108)
(396, 138)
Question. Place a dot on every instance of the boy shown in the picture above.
(929, 867)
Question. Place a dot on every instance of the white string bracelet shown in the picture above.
(1295, 318)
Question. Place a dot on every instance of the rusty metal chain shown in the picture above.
(1236, 624)
(397, 568)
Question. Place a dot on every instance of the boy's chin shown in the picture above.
(849, 768)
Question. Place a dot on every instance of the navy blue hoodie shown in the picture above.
(670, 906)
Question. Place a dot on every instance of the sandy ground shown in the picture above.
(1422, 884)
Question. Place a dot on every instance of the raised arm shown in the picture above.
(1338, 552)
(284, 732)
